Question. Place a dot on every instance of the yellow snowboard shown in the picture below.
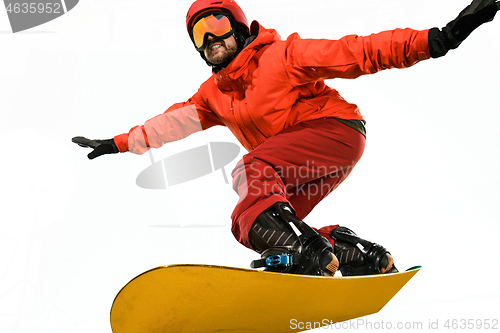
(201, 298)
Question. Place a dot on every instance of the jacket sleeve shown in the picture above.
(310, 60)
(177, 122)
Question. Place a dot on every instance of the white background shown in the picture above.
(74, 231)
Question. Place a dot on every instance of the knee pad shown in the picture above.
(288, 245)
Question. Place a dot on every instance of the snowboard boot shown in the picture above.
(358, 256)
(288, 245)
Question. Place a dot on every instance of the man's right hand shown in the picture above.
(101, 147)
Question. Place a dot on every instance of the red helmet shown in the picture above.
(226, 6)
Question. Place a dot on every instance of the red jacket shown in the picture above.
(273, 84)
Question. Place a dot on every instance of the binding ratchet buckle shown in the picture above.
(277, 260)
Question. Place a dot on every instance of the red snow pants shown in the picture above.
(301, 165)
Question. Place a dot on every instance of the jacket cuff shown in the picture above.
(424, 52)
(121, 142)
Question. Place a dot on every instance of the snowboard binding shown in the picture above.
(288, 245)
(358, 256)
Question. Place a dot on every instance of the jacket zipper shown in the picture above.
(245, 119)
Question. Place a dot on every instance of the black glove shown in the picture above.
(455, 32)
(101, 147)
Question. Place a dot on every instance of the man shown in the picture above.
(303, 138)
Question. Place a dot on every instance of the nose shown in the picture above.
(210, 39)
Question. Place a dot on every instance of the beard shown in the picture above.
(224, 53)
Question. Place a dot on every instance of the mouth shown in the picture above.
(215, 46)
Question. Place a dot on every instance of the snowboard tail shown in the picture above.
(203, 298)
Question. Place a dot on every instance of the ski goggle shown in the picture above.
(215, 24)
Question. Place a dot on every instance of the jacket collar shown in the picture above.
(236, 68)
